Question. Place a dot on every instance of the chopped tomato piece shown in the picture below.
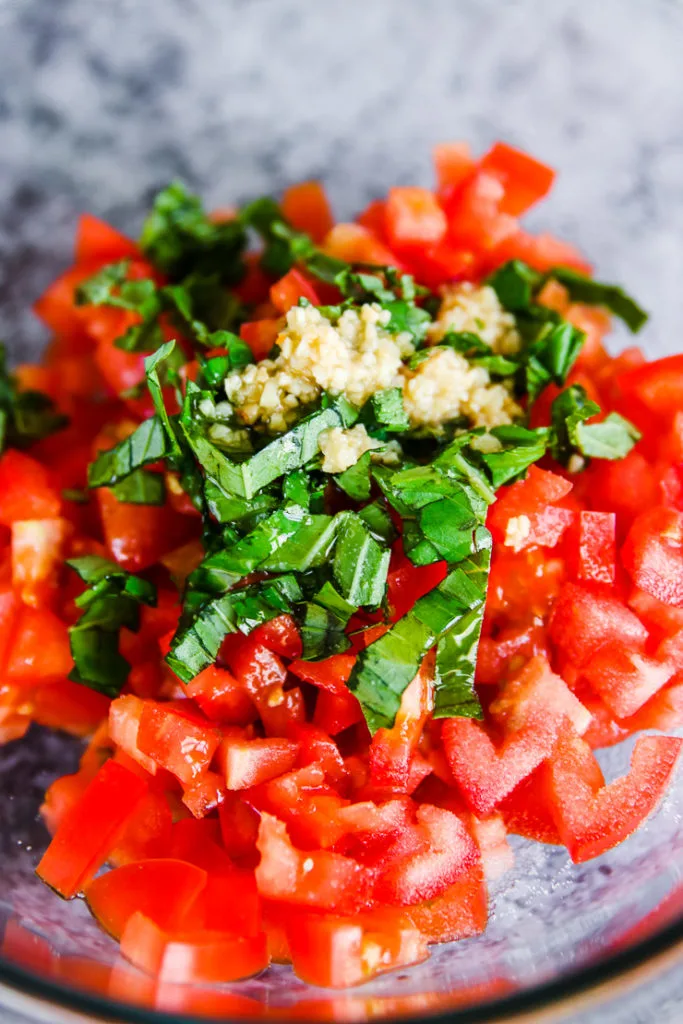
(37, 556)
(583, 620)
(98, 242)
(221, 697)
(524, 179)
(453, 162)
(542, 252)
(137, 536)
(260, 336)
(280, 635)
(192, 958)
(413, 216)
(286, 292)
(476, 219)
(596, 547)
(458, 913)
(307, 209)
(25, 489)
(658, 385)
(652, 554)
(355, 244)
(625, 679)
(162, 889)
(248, 762)
(89, 830)
(178, 740)
(39, 652)
(592, 817)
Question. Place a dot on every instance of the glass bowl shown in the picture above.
(100, 104)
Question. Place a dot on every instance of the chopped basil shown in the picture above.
(355, 481)
(180, 239)
(515, 283)
(551, 357)
(360, 564)
(613, 438)
(594, 293)
(520, 448)
(25, 416)
(323, 621)
(141, 488)
(112, 600)
(147, 444)
(389, 411)
(195, 645)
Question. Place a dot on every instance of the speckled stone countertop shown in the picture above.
(102, 101)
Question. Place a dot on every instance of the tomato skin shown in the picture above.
(162, 889)
(90, 828)
(98, 242)
(658, 385)
(181, 742)
(191, 958)
(280, 635)
(356, 244)
(327, 881)
(583, 620)
(286, 292)
(592, 817)
(524, 179)
(137, 536)
(39, 652)
(63, 705)
(25, 489)
(307, 209)
(652, 554)
(221, 697)
(625, 679)
(260, 336)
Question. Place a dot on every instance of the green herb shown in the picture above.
(25, 416)
(147, 444)
(141, 488)
(389, 411)
(322, 622)
(355, 481)
(360, 564)
(112, 600)
(520, 448)
(551, 357)
(613, 438)
(515, 284)
(584, 289)
(179, 238)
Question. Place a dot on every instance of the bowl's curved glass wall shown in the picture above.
(100, 104)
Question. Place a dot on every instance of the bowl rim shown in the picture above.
(587, 983)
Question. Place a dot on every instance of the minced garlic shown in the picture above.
(343, 448)
(517, 532)
(355, 357)
(445, 387)
(476, 309)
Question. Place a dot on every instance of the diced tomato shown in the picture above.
(542, 252)
(307, 209)
(475, 216)
(526, 513)
(260, 336)
(338, 952)
(407, 582)
(453, 162)
(221, 697)
(204, 794)
(191, 958)
(524, 179)
(178, 740)
(39, 652)
(625, 487)
(286, 292)
(70, 707)
(239, 826)
(147, 833)
(355, 244)
(321, 879)
(391, 750)
(248, 762)
(25, 489)
(413, 217)
(486, 773)
(592, 817)
(57, 308)
(317, 747)
(329, 674)
(90, 828)
(658, 385)
(281, 636)
(655, 614)
(98, 242)
(594, 547)
(625, 679)
(162, 889)
(583, 620)
(335, 712)
(124, 724)
(37, 554)
(527, 812)
(449, 851)
(652, 554)
(137, 536)
(458, 913)
(537, 693)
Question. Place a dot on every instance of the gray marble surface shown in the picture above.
(102, 101)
